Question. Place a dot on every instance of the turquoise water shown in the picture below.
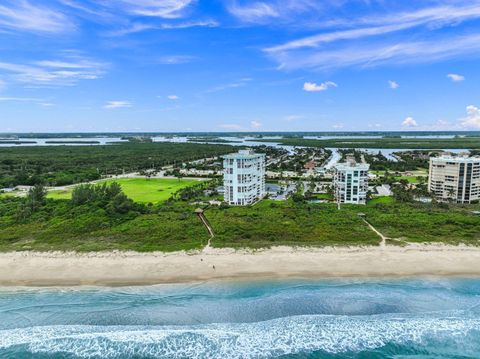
(434, 318)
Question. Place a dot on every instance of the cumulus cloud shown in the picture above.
(393, 84)
(255, 124)
(117, 104)
(173, 97)
(409, 122)
(473, 117)
(456, 77)
(313, 87)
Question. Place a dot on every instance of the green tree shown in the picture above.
(35, 199)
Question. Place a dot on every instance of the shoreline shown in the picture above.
(133, 268)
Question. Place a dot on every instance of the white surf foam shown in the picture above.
(299, 334)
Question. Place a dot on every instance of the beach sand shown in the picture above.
(130, 268)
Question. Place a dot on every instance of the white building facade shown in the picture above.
(350, 182)
(244, 177)
(455, 179)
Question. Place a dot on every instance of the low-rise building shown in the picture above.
(244, 177)
(350, 182)
(455, 179)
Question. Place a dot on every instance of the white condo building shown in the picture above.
(244, 177)
(455, 179)
(350, 182)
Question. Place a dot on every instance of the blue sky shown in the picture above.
(231, 65)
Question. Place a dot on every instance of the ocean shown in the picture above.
(348, 318)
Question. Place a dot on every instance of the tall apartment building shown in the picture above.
(350, 182)
(455, 179)
(244, 177)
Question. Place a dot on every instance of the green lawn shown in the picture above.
(140, 190)
(382, 199)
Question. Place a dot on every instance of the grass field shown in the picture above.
(382, 199)
(142, 190)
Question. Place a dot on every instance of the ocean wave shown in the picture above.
(267, 339)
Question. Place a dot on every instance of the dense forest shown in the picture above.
(387, 142)
(63, 165)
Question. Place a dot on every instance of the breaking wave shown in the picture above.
(435, 334)
(427, 318)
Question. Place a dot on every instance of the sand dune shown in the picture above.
(130, 268)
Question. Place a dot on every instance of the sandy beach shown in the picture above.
(130, 268)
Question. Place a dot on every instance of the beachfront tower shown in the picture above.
(244, 177)
(350, 182)
(455, 179)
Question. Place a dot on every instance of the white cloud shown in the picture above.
(313, 87)
(338, 126)
(456, 77)
(174, 59)
(393, 84)
(274, 11)
(324, 38)
(253, 12)
(21, 15)
(255, 124)
(440, 16)
(173, 97)
(230, 126)
(369, 55)
(139, 27)
(189, 24)
(54, 72)
(21, 99)
(117, 104)
(168, 9)
(37, 101)
(240, 83)
(409, 122)
(473, 117)
(360, 41)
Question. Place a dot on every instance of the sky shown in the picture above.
(234, 65)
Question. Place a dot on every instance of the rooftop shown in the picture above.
(244, 154)
(352, 165)
(457, 159)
